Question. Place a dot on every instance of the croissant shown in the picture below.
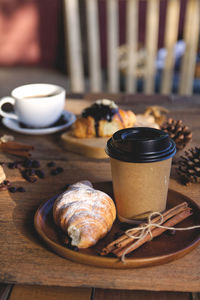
(2, 175)
(102, 119)
(84, 213)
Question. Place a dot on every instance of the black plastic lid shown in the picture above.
(140, 144)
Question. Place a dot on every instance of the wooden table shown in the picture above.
(25, 259)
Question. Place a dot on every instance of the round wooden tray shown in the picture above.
(160, 250)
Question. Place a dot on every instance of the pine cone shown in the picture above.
(178, 132)
(189, 166)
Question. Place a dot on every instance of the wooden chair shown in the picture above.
(75, 42)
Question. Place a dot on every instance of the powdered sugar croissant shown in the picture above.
(84, 213)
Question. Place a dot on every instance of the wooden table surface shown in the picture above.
(25, 259)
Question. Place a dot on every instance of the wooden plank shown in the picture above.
(112, 45)
(151, 44)
(36, 292)
(191, 37)
(132, 15)
(93, 45)
(73, 45)
(101, 294)
(171, 35)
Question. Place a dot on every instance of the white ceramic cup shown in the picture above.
(35, 105)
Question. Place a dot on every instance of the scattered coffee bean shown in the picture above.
(20, 189)
(11, 165)
(32, 179)
(59, 169)
(24, 174)
(27, 163)
(18, 165)
(40, 173)
(35, 164)
(12, 189)
(6, 182)
(51, 164)
(54, 172)
(29, 172)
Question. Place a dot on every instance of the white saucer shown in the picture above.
(15, 125)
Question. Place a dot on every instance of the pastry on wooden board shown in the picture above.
(84, 213)
(102, 119)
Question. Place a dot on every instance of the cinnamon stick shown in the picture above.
(156, 232)
(125, 240)
(167, 215)
(20, 153)
(15, 146)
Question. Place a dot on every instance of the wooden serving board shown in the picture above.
(90, 147)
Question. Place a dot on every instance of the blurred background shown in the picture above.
(33, 46)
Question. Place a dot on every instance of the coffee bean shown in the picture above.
(59, 169)
(20, 189)
(11, 165)
(32, 179)
(29, 172)
(40, 173)
(54, 172)
(6, 182)
(51, 164)
(24, 175)
(27, 163)
(35, 164)
(12, 189)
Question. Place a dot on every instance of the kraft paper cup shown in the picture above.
(140, 160)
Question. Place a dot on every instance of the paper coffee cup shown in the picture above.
(140, 160)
